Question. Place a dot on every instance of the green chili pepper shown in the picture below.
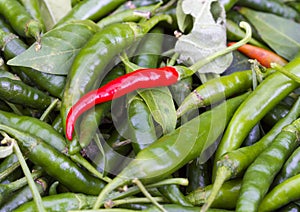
(17, 92)
(32, 6)
(216, 90)
(174, 195)
(262, 171)
(9, 163)
(291, 207)
(266, 95)
(295, 5)
(20, 19)
(4, 106)
(130, 15)
(253, 136)
(35, 127)
(176, 208)
(13, 46)
(90, 63)
(290, 168)
(61, 203)
(5, 26)
(283, 193)
(7, 74)
(271, 6)
(198, 175)
(233, 163)
(24, 195)
(171, 151)
(8, 189)
(55, 164)
(90, 9)
(58, 125)
(115, 149)
(226, 198)
(274, 115)
(134, 4)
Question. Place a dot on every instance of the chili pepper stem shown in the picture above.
(115, 183)
(147, 194)
(146, 26)
(134, 189)
(36, 195)
(195, 67)
(223, 174)
(282, 70)
(33, 28)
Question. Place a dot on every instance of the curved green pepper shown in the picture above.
(90, 9)
(172, 151)
(54, 163)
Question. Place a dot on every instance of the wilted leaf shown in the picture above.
(59, 48)
(208, 35)
(281, 34)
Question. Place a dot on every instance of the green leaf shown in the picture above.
(161, 105)
(59, 48)
(281, 34)
(52, 11)
(183, 20)
(207, 36)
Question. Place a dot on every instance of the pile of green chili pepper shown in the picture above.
(130, 126)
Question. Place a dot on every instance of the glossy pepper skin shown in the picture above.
(20, 19)
(216, 90)
(89, 66)
(55, 164)
(226, 198)
(61, 203)
(280, 195)
(261, 173)
(270, 92)
(264, 56)
(234, 163)
(172, 151)
(90, 9)
(142, 78)
(290, 168)
(276, 7)
(131, 15)
(24, 195)
(35, 127)
(15, 91)
(33, 8)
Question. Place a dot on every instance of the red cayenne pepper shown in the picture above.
(141, 78)
(264, 56)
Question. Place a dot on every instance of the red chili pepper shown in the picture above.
(265, 57)
(141, 78)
